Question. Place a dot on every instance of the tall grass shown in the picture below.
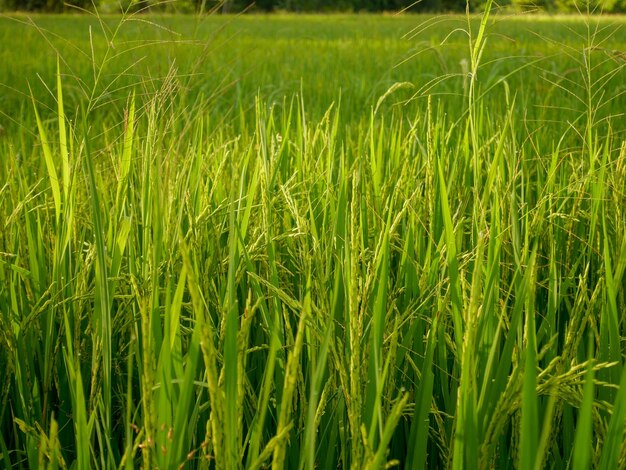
(304, 284)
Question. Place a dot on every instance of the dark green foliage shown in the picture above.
(304, 6)
(51, 6)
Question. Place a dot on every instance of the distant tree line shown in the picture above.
(304, 6)
(608, 6)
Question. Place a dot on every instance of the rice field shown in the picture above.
(312, 242)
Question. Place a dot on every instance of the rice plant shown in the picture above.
(357, 251)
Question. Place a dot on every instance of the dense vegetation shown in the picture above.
(312, 242)
(236, 6)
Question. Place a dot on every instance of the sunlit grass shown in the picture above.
(275, 241)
